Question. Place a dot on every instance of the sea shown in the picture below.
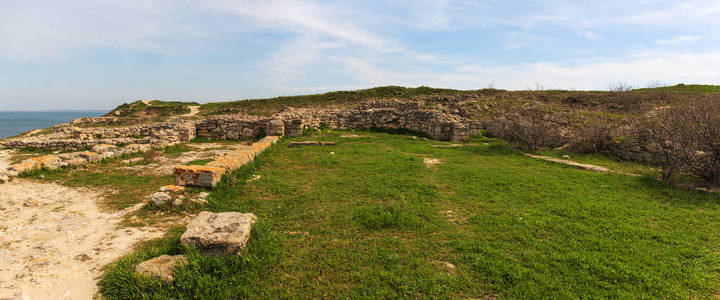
(16, 122)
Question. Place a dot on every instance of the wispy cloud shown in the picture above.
(113, 51)
(678, 39)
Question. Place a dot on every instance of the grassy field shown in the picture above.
(368, 219)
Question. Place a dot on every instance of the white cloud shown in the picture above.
(678, 39)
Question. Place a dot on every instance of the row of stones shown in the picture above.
(212, 234)
(54, 161)
(210, 174)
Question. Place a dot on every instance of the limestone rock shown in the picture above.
(172, 188)
(198, 175)
(100, 148)
(216, 234)
(160, 198)
(161, 267)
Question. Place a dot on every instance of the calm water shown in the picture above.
(17, 122)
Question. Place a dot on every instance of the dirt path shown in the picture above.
(146, 102)
(54, 240)
(194, 110)
(4, 159)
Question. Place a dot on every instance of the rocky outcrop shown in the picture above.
(161, 267)
(216, 234)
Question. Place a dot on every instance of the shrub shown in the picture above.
(531, 126)
(593, 137)
(686, 138)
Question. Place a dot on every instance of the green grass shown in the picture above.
(599, 159)
(270, 105)
(124, 187)
(199, 162)
(176, 150)
(372, 221)
(700, 89)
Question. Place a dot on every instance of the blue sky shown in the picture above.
(82, 54)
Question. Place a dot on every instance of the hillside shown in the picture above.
(345, 98)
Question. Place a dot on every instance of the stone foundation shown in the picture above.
(210, 174)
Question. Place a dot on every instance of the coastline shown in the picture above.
(13, 123)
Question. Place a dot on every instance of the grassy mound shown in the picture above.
(370, 220)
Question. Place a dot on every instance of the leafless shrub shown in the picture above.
(686, 138)
(619, 87)
(531, 126)
(593, 137)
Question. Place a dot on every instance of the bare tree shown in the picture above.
(619, 87)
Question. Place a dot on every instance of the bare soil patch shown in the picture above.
(54, 240)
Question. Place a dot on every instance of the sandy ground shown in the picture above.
(4, 159)
(54, 240)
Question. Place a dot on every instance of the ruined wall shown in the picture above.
(437, 122)
(373, 114)
(68, 137)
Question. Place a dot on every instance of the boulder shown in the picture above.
(160, 198)
(161, 267)
(216, 234)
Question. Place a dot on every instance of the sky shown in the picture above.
(96, 54)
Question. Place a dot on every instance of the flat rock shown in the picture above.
(216, 234)
(161, 267)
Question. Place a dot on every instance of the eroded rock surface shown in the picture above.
(216, 234)
(54, 240)
(161, 267)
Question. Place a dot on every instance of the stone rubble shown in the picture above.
(54, 161)
(160, 198)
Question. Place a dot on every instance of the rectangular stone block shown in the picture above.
(206, 176)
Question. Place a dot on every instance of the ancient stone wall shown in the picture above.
(68, 137)
(373, 114)
(437, 122)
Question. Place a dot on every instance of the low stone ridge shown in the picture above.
(69, 137)
(210, 174)
(161, 267)
(216, 234)
(311, 143)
